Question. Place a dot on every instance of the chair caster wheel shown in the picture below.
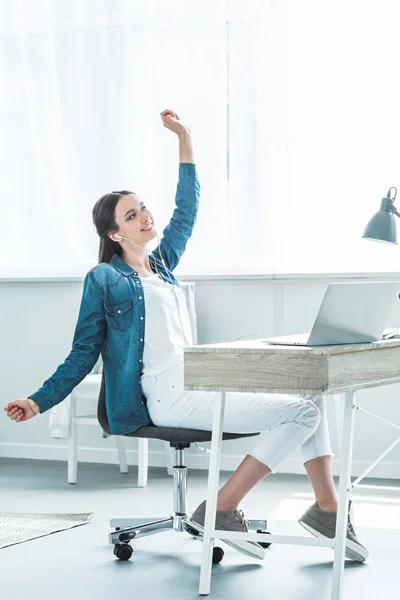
(193, 532)
(218, 555)
(264, 544)
(123, 551)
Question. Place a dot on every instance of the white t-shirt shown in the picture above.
(163, 337)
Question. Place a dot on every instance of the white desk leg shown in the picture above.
(346, 451)
(212, 490)
(339, 409)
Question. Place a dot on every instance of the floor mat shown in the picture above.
(16, 528)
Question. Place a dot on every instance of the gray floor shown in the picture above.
(79, 563)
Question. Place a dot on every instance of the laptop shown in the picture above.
(350, 313)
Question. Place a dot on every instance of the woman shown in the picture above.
(134, 313)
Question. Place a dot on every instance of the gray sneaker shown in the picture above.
(322, 523)
(231, 520)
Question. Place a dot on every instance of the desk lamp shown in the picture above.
(382, 226)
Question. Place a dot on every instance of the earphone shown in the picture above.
(121, 237)
(166, 270)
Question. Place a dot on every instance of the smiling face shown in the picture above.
(134, 219)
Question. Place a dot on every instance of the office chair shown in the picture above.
(127, 529)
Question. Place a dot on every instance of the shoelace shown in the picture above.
(350, 526)
(242, 519)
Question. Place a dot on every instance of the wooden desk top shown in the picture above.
(257, 345)
(254, 366)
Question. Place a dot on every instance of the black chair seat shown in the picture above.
(181, 435)
(168, 434)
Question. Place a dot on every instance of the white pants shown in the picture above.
(286, 422)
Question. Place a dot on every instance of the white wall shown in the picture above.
(37, 324)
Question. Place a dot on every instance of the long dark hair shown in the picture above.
(104, 220)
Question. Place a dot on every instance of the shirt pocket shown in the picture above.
(120, 315)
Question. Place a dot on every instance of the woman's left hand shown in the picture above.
(171, 121)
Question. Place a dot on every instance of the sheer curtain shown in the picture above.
(292, 106)
(343, 127)
(73, 126)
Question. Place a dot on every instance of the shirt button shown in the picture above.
(119, 312)
(140, 297)
(141, 339)
(141, 318)
(140, 360)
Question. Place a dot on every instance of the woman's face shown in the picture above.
(134, 219)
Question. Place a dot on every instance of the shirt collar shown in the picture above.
(122, 267)
(118, 263)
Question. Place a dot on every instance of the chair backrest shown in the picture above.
(188, 289)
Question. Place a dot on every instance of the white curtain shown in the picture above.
(292, 106)
(342, 131)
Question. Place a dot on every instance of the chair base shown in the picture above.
(129, 528)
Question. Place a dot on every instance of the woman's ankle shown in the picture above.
(225, 507)
(330, 505)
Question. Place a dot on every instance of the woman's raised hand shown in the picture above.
(22, 409)
(171, 121)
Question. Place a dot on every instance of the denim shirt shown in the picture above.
(112, 320)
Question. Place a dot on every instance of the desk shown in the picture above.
(253, 366)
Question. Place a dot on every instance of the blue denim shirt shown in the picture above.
(112, 320)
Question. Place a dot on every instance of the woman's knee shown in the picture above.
(309, 414)
(318, 401)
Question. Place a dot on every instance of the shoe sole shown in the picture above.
(353, 550)
(246, 548)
